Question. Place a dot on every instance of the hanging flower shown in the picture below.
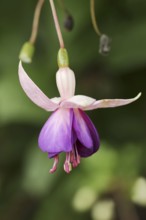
(68, 129)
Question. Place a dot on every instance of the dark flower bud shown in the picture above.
(68, 22)
(104, 44)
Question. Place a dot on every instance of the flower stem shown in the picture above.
(57, 26)
(93, 17)
(36, 21)
(62, 5)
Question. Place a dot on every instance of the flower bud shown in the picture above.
(27, 52)
(68, 22)
(104, 44)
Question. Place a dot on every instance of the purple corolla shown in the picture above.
(68, 129)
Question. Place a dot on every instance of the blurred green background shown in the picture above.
(110, 185)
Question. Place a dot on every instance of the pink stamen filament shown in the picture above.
(77, 155)
(72, 158)
(67, 164)
(54, 168)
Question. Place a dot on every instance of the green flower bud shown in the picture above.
(26, 52)
(62, 58)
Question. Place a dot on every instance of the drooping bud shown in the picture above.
(104, 44)
(27, 52)
(62, 58)
(68, 22)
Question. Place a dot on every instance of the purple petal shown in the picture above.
(34, 93)
(110, 103)
(84, 151)
(86, 133)
(56, 134)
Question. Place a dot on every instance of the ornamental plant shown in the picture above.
(68, 129)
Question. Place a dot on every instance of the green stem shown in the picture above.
(36, 21)
(93, 17)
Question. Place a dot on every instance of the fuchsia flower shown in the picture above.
(68, 129)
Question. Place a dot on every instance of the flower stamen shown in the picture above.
(54, 168)
(76, 161)
(67, 163)
(77, 154)
(75, 158)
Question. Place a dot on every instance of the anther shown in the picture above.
(67, 164)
